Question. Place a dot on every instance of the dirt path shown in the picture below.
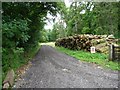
(52, 69)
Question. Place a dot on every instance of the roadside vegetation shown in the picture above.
(97, 58)
(0, 81)
(23, 29)
(22, 23)
(19, 60)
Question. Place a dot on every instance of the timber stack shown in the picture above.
(76, 42)
(85, 41)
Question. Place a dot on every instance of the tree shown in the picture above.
(106, 15)
(99, 18)
(22, 24)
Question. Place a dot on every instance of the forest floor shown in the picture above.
(53, 69)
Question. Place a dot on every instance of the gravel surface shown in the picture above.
(53, 69)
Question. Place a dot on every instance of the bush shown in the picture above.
(86, 30)
(14, 35)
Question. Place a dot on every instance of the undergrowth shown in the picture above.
(14, 60)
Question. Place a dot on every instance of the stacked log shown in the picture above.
(85, 41)
(77, 42)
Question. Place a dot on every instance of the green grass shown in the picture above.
(98, 58)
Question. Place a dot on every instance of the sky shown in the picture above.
(67, 3)
(49, 23)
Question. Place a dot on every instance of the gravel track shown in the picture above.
(53, 69)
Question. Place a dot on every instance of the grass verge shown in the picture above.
(97, 58)
(20, 60)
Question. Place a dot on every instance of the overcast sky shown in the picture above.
(49, 23)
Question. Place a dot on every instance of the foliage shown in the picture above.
(44, 36)
(97, 58)
(86, 30)
(91, 17)
(88, 18)
(58, 31)
(106, 17)
(22, 29)
(0, 81)
(23, 25)
(52, 34)
(15, 33)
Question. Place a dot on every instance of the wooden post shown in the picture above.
(111, 52)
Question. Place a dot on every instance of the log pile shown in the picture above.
(77, 42)
(85, 41)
